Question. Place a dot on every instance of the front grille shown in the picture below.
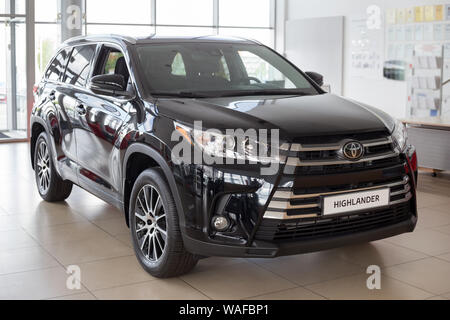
(379, 149)
(311, 158)
(339, 137)
(323, 227)
(385, 147)
(306, 202)
(343, 168)
(317, 170)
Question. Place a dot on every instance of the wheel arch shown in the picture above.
(37, 127)
(144, 153)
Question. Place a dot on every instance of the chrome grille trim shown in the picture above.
(296, 147)
(283, 215)
(406, 198)
(377, 142)
(299, 148)
(291, 196)
(286, 205)
(278, 204)
(406, 188)
(296, 162)
(319, 147)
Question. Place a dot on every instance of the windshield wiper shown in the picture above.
(264, 92)
(230, 93)
(179, 94)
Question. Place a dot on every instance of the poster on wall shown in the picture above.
(367, 43)
(447, 12)
(414, 25)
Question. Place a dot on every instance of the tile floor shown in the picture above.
(39, 240)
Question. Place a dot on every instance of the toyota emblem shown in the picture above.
(353, 150)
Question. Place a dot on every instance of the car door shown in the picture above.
(100, 119)
(59, 115)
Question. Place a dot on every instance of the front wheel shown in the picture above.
(50, 185)
(155, 230)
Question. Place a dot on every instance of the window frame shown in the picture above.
(147, 94)
(94, 66)
(44, 74)
(101, 60)
(90, 64)
(95, 57)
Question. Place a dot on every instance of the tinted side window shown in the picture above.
(79, 65)
(111, 62)
(56, 68)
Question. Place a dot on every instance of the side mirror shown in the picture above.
(108, 85)
(316, 77)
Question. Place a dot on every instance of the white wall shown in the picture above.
(387, 95)
(317, 44)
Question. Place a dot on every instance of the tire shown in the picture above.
(53, 188)
(161, 255)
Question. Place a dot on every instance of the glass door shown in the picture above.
(13, 85)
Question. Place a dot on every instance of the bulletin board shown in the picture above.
(366, 46)
(414, 35)
(407, 27)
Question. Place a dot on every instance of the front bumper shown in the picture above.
(295, 231)
(281, 214)
(262, 249)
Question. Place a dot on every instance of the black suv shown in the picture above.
(111, 111)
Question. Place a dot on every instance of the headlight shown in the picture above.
(213, 143)
(400, 136)
(219, 145)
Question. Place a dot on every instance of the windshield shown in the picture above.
(217, 69)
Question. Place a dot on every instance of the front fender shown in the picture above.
(164, 165)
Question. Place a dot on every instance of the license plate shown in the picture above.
(355, 201)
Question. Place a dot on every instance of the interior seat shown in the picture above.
(122, 69)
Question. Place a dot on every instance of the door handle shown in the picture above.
(81, 109)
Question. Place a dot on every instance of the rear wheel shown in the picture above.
(154, 227)
(50, 185)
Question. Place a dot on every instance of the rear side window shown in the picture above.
(56, 68)
(79, 65)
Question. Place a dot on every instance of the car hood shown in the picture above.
(324, 114)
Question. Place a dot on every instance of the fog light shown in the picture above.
(220, 223)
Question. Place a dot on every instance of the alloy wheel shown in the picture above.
(150, 223)
(43, 167)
